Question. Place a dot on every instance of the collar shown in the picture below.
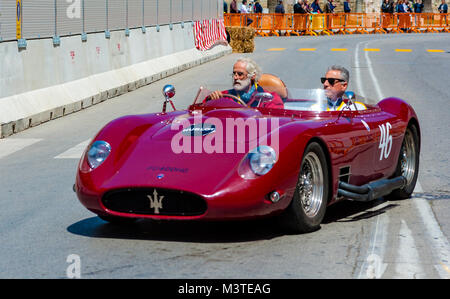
(334, 104)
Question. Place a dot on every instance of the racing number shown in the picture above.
(385, 141)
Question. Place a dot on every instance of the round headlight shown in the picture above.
(262, 159)
(98, 153)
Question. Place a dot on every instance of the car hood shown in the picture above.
(191, 152)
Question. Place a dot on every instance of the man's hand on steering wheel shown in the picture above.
(215, 95)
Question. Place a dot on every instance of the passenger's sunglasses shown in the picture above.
(331, 80)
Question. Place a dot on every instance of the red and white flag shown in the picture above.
(208, 33)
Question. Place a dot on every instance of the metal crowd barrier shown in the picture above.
(340, 23)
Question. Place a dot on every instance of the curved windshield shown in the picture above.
(297, 99)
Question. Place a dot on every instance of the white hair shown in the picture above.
(252, 67)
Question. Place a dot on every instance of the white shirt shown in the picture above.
(244, 8)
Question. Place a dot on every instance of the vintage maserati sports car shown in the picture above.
(223, 160)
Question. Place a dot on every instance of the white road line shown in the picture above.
(9, 146)
(74, 152)
(373, 266)
(407, 264)
(358, 79)
(438, 241)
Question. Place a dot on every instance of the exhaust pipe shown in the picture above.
(371, 190)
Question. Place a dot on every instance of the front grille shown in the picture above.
(154, 201)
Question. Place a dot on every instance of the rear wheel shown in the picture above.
(308, 205)
(408, 163)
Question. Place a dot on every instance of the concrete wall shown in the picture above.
(44, 82)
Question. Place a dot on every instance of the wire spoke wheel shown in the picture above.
(310, 185)
(408, 157)
(307, 208)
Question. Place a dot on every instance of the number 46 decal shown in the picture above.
(385, 141)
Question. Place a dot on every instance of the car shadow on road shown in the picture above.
(180, 231)
(220, 231)
(350, 211)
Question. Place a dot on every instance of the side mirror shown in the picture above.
(168, 92)
(350, 95)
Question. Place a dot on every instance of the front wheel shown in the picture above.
(408, 163)
(308, 205)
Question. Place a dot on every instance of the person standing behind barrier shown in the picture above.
(347, 8)
(329, 7)
(418, 6)
(443, 8)
(315, 7)
(298, 7)
(233, 7)
(306, 6)
(280, 7)
(258, 8)
(299, 21)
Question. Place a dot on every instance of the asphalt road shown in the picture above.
(46, 233)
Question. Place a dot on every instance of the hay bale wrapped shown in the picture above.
(241, 39)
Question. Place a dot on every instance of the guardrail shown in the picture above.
(340, 23)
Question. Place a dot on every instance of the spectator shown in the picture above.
(399, 8)
(258, 8)
(306, 6)
(406, 6)
(225, 6)
(280, 7)
(329, 7)
(347, 8)
(233, 7)
(443, 8)
(244, 9)
(315, 7)
(418, 6)
(298, 7)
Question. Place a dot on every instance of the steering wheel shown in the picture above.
(234, 98)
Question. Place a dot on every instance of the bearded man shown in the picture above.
(245, 76)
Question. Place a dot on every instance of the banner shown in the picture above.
(207, 33)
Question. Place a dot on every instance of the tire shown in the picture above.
(407, 164)
(308, 205)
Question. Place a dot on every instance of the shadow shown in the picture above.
(180, 231)
(350, 211)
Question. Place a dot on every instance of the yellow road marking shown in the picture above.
(338, 49)
(435, 51)
(307, 49)
(403, 50)
(372, 50)
(276, 49)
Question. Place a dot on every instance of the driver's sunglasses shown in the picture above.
(331, 80)
(239, 74)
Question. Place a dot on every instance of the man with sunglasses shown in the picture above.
(335, 84)
(245, 76)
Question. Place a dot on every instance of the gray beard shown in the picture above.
(241, 85)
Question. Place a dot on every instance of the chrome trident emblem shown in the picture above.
(156, 201)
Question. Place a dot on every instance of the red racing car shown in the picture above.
(223, 160)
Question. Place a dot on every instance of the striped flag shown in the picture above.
(208, 33)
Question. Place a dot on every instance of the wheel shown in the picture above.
(117, 220)
(407, 164)
(308, 205)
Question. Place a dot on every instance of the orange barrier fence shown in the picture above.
(340, 23)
